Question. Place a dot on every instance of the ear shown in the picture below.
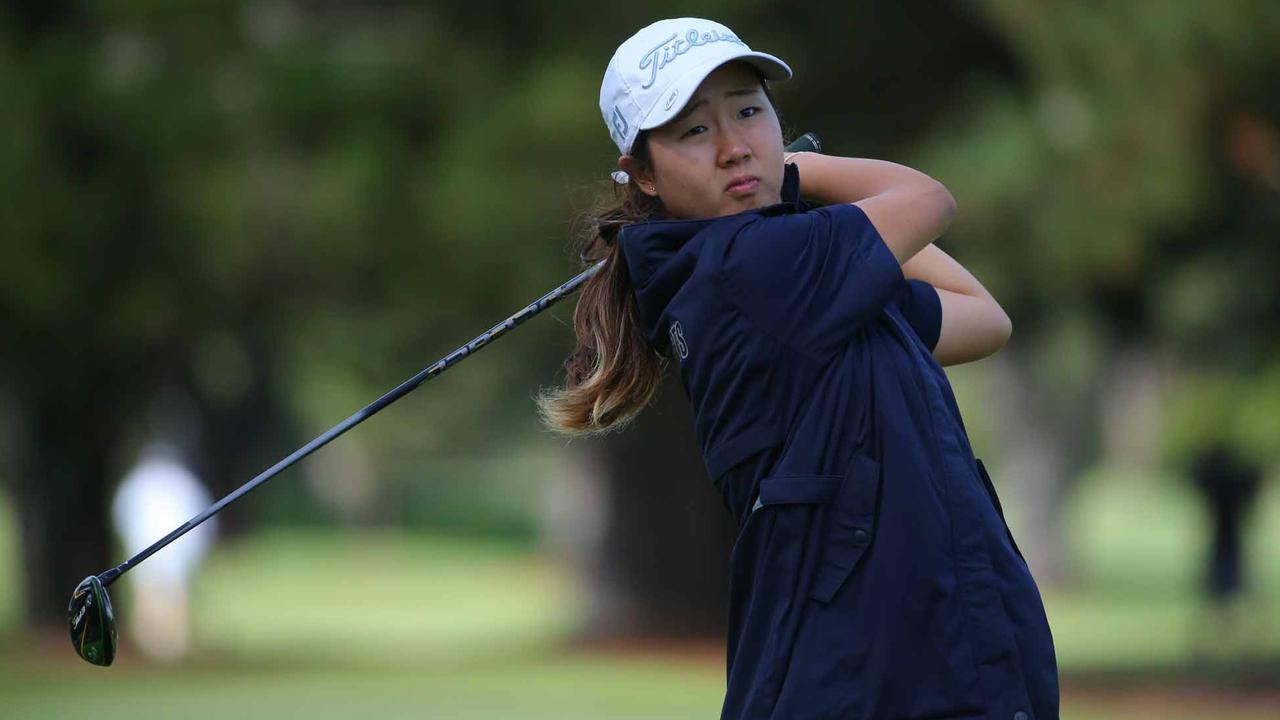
(640, 173)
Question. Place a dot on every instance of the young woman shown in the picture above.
(873, 575)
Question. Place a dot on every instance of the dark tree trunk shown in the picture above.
(1049, 440)
(242, 436)
(61, 484)
(661, 568)
(80, 424)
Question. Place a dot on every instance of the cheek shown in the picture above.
(685, 178)
(692, 195)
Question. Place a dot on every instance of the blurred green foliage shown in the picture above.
(1125, 194)
(361, 188)
(285, 208)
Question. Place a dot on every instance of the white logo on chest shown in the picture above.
(677, 340)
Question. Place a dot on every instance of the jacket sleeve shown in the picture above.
(812, 279)
(919, 303)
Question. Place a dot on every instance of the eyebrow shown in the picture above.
(688, 109)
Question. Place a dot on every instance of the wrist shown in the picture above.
(831, 179)
(788, 157)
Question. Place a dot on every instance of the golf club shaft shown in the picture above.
(806, 142)
(542, 303)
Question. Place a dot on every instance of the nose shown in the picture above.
(733, 149)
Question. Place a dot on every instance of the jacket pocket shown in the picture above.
(779, 549)
(793, 510)
(991, 491)
(797, 490)
(850, 526)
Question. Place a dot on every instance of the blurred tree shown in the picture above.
(283, 207)
(1110, 203)
(267, 205)
(660, 569)
(103, 305)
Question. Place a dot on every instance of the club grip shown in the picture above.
(807, 142)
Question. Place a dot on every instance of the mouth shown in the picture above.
(743, 185)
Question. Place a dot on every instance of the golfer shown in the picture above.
(873, 576)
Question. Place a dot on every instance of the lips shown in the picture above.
(742, 184)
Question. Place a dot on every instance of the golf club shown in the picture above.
(89, 615)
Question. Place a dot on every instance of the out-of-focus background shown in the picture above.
(226, 225)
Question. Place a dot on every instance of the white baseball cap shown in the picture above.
(655, 73)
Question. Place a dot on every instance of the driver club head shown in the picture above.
(93, 625)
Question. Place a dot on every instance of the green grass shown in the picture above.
(391, 624)
(10, 573)
(380, 596)
(380, 625)
(1138, 550)
(533, 687)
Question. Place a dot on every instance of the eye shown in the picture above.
(749, 111)
(690, 131)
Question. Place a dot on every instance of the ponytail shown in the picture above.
(613, 372)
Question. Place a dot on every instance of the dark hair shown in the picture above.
(613, 372)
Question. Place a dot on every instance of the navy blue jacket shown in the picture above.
(873, 575)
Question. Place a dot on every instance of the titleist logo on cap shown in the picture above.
(635, 93)
(674, 46)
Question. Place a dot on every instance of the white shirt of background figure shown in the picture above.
(157, 495)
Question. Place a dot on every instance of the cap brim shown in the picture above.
(771, 67)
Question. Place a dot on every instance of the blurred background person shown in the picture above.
(157, 495)
(1228, 485)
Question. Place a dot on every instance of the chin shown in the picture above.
(756, 202)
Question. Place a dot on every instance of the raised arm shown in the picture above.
(973, 323)
(908, 208)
